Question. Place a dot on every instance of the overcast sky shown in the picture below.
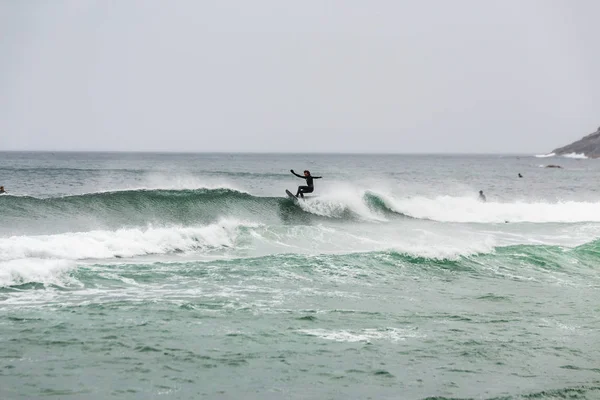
(308, 76)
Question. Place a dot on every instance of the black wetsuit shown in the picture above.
(309, 184)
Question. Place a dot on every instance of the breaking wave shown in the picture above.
(135, 208)
(578, 156)
(34, 260)
(470, 210)
(102, 244)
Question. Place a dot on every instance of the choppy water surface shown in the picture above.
(188, 276)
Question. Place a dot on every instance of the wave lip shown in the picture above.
(343, 205)
(545, 155)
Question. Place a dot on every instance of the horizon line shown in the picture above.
(269, 152)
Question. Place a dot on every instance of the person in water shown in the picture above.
(2, 190)
(482, 196)
(309, 183)
(520, 176)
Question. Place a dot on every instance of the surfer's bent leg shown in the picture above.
(303, 189)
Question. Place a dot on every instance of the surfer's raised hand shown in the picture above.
(292, 171)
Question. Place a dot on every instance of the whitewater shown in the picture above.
(194, 275)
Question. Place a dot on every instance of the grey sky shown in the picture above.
(372, 76)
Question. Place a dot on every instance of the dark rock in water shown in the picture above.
(553, 166)
(588, 146)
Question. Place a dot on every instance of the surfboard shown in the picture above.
(291, 195)
(298, 198)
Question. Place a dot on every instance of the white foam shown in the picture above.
(123, 242)
(338, 199)
(224, 239)
(20, 271)
(364, 335)
(439, 243)
(469, 209)
(545, 155)
(579, 156)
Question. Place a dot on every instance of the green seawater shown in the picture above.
(185, 276)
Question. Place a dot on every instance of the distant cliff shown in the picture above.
(588, 145)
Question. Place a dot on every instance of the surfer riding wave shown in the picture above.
(309, 188)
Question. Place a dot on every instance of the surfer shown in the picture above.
(2, 190)
(482, 196)
(309, 183)
(520, 176)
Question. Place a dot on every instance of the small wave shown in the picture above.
(578, 156)
(545, 155)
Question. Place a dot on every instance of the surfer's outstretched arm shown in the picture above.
(299, 176)
(317, 177)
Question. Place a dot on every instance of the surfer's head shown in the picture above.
(306, 172)
(481, 192)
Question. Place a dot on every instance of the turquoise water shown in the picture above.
(188, 276)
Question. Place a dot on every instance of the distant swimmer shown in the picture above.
(309, 183)
(482, 196)
(520, 176)
(2, 190)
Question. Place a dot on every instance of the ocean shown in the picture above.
(186, 276)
